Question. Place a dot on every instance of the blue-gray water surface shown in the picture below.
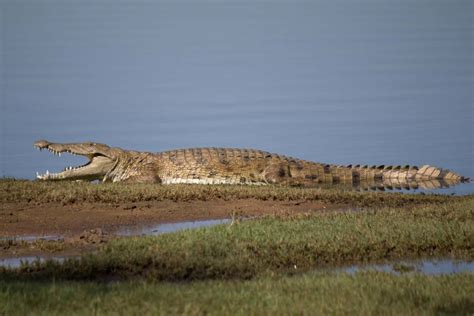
(371, 82)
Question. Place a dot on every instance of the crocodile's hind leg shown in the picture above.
(280, 173)
(277, 173)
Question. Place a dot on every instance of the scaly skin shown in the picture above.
(234, 166)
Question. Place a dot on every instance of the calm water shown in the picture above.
(371, 82)
(159, 229)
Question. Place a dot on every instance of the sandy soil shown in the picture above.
(27, 219)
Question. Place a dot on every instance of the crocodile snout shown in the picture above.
(41, 143)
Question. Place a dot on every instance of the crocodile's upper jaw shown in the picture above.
(102, 160)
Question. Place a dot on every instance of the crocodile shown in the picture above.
(233, 166)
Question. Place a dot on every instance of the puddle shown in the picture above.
(426, 267)
(129, 231)
(159, 229)
(32, 238)
(17, 262)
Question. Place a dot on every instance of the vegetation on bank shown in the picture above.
(275, 244)
(68, 192)
(368, 293)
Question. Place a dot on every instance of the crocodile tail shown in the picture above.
(430, 172)
(407, 172)
(375, 177)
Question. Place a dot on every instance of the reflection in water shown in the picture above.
(392, 184)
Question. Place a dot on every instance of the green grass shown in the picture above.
(369, 293)
(68, 192)
(253, 248)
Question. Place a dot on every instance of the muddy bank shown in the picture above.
(43, 229)
(54, 219)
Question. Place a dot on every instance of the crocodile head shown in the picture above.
(102, 160)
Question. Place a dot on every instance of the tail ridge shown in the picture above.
(425, 172)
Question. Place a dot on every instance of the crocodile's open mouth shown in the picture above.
(100, 161)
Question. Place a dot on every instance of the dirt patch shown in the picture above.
(69, 221)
